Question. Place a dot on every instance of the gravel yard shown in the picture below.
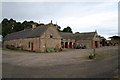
(70, 63)
(31, 59)
(67, 56)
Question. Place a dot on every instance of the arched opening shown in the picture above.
(66, 44)
(74, 45)
(70, 45)
(62, 44)
(96, 44)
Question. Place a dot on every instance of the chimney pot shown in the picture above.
(33, 26)
(51, 21)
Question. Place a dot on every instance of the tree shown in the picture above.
(18, 27)
(5, 27)
(67, 29)
(12, 25)
(27, 25)
(8, 26)
(77, 32)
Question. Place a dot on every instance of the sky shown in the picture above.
(84, 16)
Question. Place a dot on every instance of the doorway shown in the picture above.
(70, 45)
(96, 44)
(66, 44)
(32, 46)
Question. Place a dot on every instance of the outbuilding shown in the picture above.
(37, 38)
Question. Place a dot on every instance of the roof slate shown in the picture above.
(84, 36)
(66, 35)
(27, 33)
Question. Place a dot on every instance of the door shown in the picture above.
(96, 44)
(32, 46)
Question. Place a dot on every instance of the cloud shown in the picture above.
(80, 16)
(105, 20)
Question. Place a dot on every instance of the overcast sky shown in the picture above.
(80, 16)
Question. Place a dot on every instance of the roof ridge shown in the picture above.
(87, 32)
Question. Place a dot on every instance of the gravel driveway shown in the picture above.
(68, 63)
(31, 59)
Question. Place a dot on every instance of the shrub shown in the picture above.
(50, 50)
(91, 55)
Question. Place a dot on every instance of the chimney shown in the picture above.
(34, 26)
(51, 21)
(95, 30)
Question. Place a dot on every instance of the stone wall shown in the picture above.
(115, 41)
(24, 43)
(96, 39)
(50, 39)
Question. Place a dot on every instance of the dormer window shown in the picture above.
(51, 35)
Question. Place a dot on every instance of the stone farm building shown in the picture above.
(40, 38)
(35, 39)
(115, 40)
(90, 39)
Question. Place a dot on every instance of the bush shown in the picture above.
(20, 49)
(91, 55)
(10, 47)
(50, 50)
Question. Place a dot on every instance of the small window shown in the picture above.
(29, 45)
(51, 35)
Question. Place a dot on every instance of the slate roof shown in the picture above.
(66, 35)
(78, 36)
(84, 36)
(27, 33)
(38, 31)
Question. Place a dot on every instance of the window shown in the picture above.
(29, 45)
(51, 35)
